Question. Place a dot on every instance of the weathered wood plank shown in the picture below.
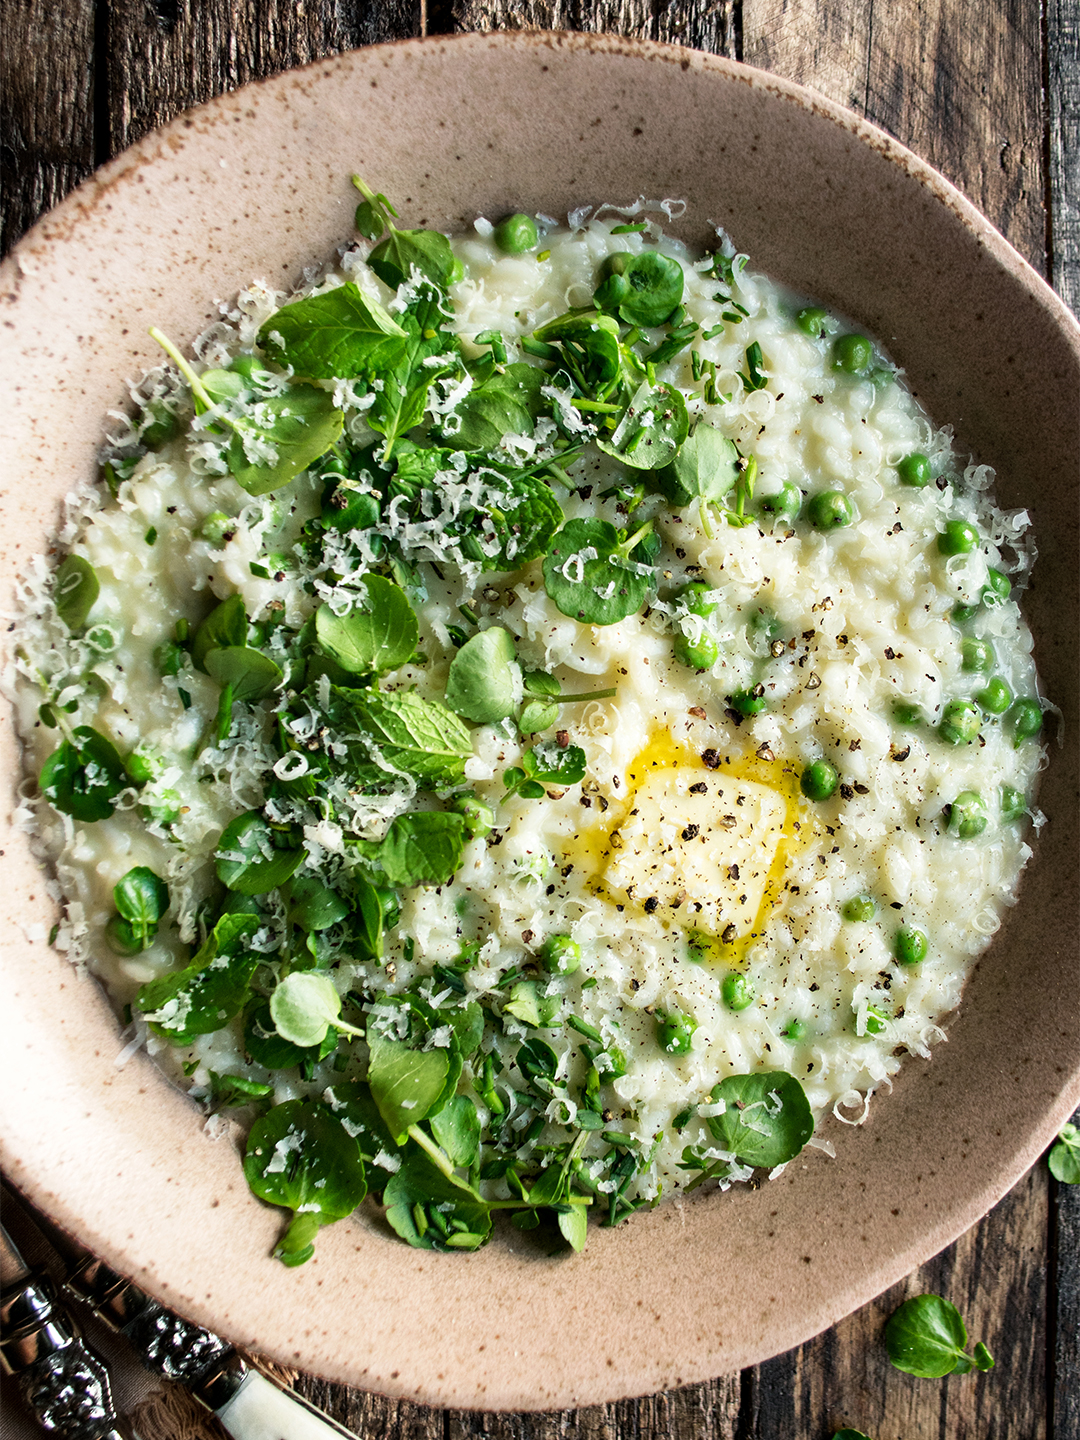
(1063, 93)
(167, 55)
(823, 46)
(996, 1276)
(46, 107)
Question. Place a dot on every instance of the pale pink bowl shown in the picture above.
(256, 184)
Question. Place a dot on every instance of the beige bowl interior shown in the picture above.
(256, 184)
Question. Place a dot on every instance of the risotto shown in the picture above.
(533, 721)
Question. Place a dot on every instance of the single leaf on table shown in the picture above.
(850, 1435)
(406, 1084)
(252, 675)
(507, 403)
(378, 634)
(1064, 1157)
(768, 1118)
(247, 859)
(225, 627)
(706, 468)
(207, 993)
(433, 1211)
(83, 776)
(340, 334)
(75, 589)
(484, 684)
(300, 1157)
(651, 429)
(281, 437)
(589, 575)
(927, 1337)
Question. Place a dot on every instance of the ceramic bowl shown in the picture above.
(255, 184)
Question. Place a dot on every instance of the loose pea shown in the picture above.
(812, 321)
(967, 818)
(1013, 803)
(997, 589)
(859, 908)
(120, 937)
(696, 654)
(819, 780)
(784, 503)
(976, 655)
(561, 955)
(959, 722)
(516, 234)
(749, 702)
(910, 945)
(216, 526)
(736, 991)
(958, 538)
(695, 597)
(794, 1030)
(616, 263)
(905, 714)
(1026, 717)
(852, 354)
(829, 510)
(961, 614)
(478, 815)
(875, 1022)
(995, 697)
(914, 470)
(674, 1031)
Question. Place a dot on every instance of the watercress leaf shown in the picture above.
(587, 577)
(456, 1128)
(75, 589)
(224, 627)
(312, 905)
(574, 1224)
(468, 1027)
(408, 733)
(352, 1103)
(508, 402)
(850, 1435)
(228, 1090)
(281, 437)
(536, 716)
(768, 1118)
(247, 859)
(590, 347)
(378, 634)
(266, 1046)
(432, 1211)
(207, 993)
(83, 776)
(514, 525)
(339, 334)
(656, 287)
(300, 1157)
(927, 1337)
(705, 468)
(1064, 1157)
(406, 1084)
(422, 848)
(141, 898)
(539, 682)
(303, 1006)
(395, 258)
(531, 790)
(651, 429)
(484, 683)
(555, 764)
(252, 675)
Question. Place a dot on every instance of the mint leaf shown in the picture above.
(405, 732)
(339, 334)
(402, 400)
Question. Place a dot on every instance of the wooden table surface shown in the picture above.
(989, 92)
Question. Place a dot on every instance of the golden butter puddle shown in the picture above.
(699, 846)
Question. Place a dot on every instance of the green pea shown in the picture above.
(699, 654)
(794, 1030)
(875, 1022)
(515, 234)
(168, 657)
(784, 504)
(997, 589)
(749, 702)
(812, 321)
(976, 655)
(859, 908)
(216, 526)
(961, 614)
(960, 722)
(479, 816)
(616, 263)
(852, 354)
(611, 292)
(695, 597)
(914, 470)
(1013, 803)
(819, 780)
(905, 714)
(829, 510)
(967, 817)
(120, 937)
(910, 945)
(958, 538)
(995, 697)
(736, 991)
(1026, 717)
(561, 955)
(675, 1031)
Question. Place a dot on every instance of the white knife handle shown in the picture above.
(260, 1411)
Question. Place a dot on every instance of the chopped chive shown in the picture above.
(151, 535)
(584, 1028)
(538, 348)
(712, 334)
(635, 229)
(544, 255)
(731, 317)
(185, 698)
(259, 570)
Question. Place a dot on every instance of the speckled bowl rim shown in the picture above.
(401, 1322)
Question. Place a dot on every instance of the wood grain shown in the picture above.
(1063, 153)
(46, 107)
